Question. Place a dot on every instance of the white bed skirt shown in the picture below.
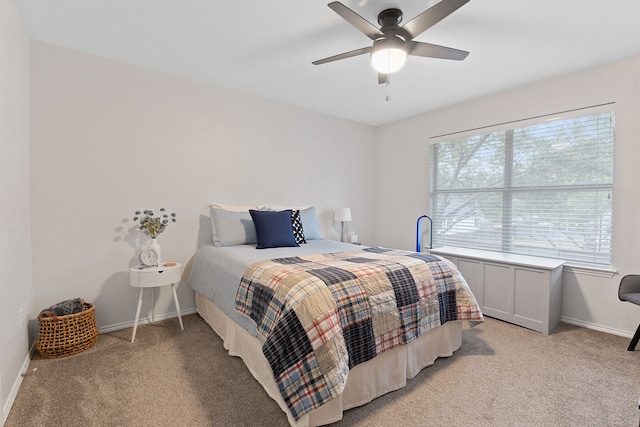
(387, 372)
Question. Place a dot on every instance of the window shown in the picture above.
(538, 187)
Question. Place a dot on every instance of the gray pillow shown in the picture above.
(310, 224)
(232, 228)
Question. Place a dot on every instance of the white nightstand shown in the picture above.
(152, 277)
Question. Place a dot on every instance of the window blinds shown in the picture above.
(539, 187)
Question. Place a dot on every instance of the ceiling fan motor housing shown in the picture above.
(389, 17)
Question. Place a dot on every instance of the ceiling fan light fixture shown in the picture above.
(392, 42)
(388, 55)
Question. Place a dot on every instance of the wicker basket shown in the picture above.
(62, 336)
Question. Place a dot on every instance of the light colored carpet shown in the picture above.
(503, 375)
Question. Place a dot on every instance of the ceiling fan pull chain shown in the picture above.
(386, 88)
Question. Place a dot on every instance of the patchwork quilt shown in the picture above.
(318, 316)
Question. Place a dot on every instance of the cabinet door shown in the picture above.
(472, 273)
(498, 291)
(529, 299)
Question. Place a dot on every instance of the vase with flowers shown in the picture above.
(153, 225)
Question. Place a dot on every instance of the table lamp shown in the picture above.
(342, 215)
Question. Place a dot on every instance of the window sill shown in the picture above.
(590, 271)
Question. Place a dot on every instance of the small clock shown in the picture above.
(149, 257)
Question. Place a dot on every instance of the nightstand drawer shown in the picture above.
(155, 276)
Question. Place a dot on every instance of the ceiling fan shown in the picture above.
(392, 42)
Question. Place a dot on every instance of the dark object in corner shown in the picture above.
(629, 290)
(63, 308)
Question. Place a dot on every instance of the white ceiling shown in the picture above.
(265, 48)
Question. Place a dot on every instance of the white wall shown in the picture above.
(108, 139)
(16, 286)
(402, 176)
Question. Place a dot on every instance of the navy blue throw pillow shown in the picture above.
(273, 229)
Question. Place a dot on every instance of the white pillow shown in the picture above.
(285, 207)
(236, 208)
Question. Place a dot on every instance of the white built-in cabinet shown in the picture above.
(523, 290)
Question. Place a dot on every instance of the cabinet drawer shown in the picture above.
(155, 277)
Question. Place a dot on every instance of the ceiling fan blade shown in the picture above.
(345, 55)
(356, 20)
(382, 78)
(436, 51)
(432, 16)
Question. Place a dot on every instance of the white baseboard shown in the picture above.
(14, 390)
(596, 327)
(144, 320)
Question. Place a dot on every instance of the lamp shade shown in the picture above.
(388, 55)
(342, 214)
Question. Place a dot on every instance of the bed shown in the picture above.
(322, 325)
